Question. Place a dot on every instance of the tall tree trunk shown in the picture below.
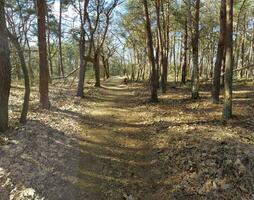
(227, 112)
(174, 58)
(154, 96)
(44, 71)
(80, 92)
(61, 67)
(5, 71)
(164, 76)
(82, 62)
(220, 52)
(243, 47)
(195, 46)
(157, 61)
(184, 67)
(49, 47)
(162, 49)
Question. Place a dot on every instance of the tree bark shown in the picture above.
(82, 61)
(30, 70)
(5, 71)
(43, 62)
(219, 57)
(15, 42)
(195, 50)
(184, 67)
(162, 45)
(154, 95)
(49, 47)
(96, 64)
(106, 66)
(227, 112)
(61, 67)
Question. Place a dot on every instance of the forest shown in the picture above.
(126, 99)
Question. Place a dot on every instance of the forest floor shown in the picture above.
(114, 144)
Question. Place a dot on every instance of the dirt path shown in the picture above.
(115, 150)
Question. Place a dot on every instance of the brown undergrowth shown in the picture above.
(114, 144)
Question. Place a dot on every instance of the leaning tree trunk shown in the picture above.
(195, 46)
(220, 52)
(154, 87)
(5, 71)
(14, 40)
(227, 112)
(44, 71)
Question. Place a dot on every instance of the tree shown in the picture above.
(5, 71)
(184, 67)
(43, 62)
(108, 50)
(227, 112)
(19, 39)
(220, 52)
(195, 51)
(83, 16)
(98, 28)
(28, 12)
(52, 32)
(15, 42)
(61, 67)
(154, 95)
(163, 40)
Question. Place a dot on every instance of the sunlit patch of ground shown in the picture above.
(113, 144)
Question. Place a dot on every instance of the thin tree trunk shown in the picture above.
(195, 49)
(14, 40)
(61, 67)
(174, 59)
(184, 67)
(219, 57)
(96, 64)
(243, 47)
(30, 70)
(227, 112)
(49, 48)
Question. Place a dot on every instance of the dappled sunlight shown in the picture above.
(123, 181)
(118, 143)
(112, 158)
